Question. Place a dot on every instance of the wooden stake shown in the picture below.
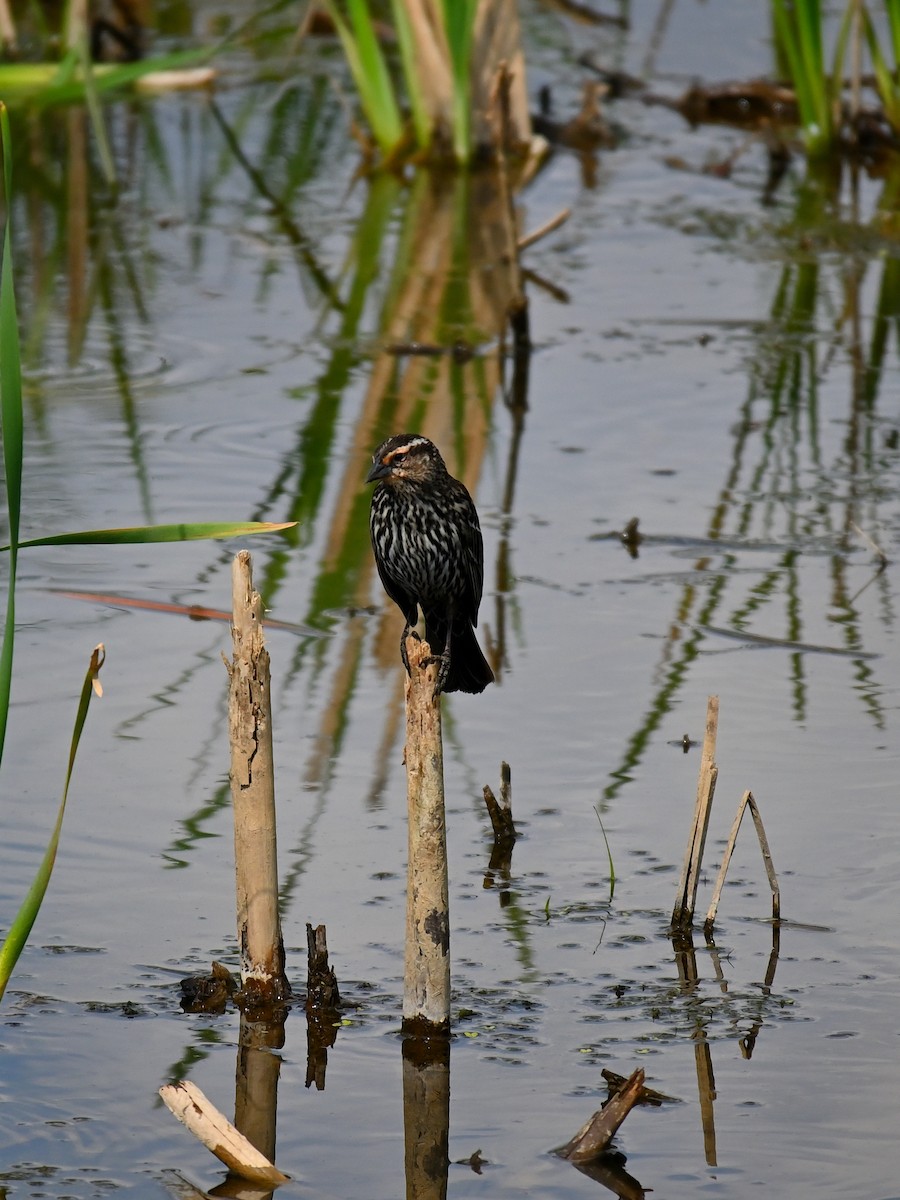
(426, 985)
(253, 795)
(683, 913)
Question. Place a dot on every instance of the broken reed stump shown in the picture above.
(426, 980)
(322, 992)
(323, 1001)
(253, 795)
(683, 913)
(500, 811)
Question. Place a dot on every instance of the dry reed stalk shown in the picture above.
(435, 78)
(747, 801)
(426, 984)
(7, 26)
(683, 913)
(253, 795)
(497, 43)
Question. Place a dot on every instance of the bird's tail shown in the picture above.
(469, 669)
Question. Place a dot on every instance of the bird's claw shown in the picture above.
(407, 632)
(443, 661)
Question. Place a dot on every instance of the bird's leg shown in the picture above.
(407, 631)
(443, 660)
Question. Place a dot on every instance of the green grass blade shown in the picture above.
(62, 83)
(893, 16)
(459, 23)
(612, 868)
(370, 73)
(885, 79)
(158, 533)
(21, 927)
(408, 57)
(11, 423)
(798, 30)
(92, 99)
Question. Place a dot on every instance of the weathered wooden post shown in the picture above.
(426, 990)
(253, 794)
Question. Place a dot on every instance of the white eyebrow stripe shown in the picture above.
(418, 441)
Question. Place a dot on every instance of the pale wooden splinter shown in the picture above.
(185, 1101)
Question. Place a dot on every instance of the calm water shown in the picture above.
(702, 362)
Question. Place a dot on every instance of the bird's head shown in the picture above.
(406, 458)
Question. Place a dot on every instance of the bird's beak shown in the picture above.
(379, 470)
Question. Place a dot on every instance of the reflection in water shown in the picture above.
(426, 1116)
(686, 963)
(256, 1081)
(781, 488)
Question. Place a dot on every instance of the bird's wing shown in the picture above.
(473, 557)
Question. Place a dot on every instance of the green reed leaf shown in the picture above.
(11, 422)
(21, 927)
(130, 535)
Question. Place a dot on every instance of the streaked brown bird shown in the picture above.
(429, 554)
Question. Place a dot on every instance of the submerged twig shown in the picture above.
(536, 234)
(872, 544)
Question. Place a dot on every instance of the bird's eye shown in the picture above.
(398, 457)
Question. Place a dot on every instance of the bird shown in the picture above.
(430, 556)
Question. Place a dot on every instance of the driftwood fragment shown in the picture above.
(186, 1102)
(752, 103)
(595, 1135)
